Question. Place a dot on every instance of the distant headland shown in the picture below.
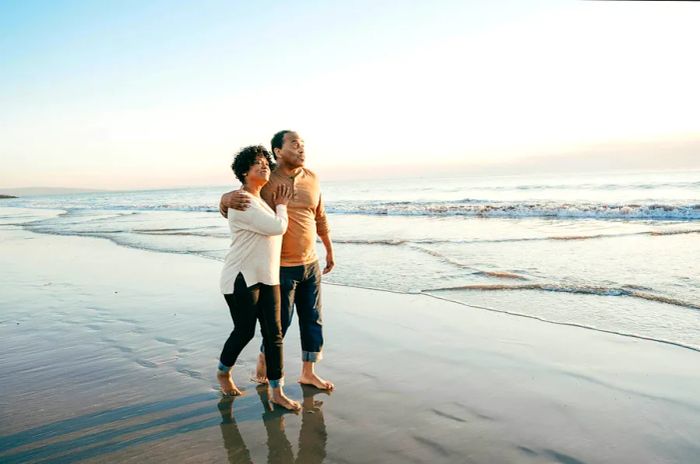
(41, 191)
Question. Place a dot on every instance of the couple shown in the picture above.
(272, 265)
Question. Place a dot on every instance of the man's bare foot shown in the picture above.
(280, 399)
(260, 374)
(228, 388)
(315, 381)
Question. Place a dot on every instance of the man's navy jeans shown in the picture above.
(300, 286)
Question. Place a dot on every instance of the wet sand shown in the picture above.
(108, 354)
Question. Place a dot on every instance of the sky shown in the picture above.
(133, 94)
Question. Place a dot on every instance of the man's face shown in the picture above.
(292, 151)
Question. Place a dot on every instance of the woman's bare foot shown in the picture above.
(228, 388)
(260, 375)
(280, 399)
(310, 378)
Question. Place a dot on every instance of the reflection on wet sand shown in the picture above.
(312, 436)
(115, 430)
(236, 449)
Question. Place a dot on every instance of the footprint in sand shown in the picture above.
(124, 349)
(146, 363)
(448, 416)
(190, 373)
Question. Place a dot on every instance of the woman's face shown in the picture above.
(259, 172)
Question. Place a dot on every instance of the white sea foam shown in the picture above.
(586, 290)
(483, 208)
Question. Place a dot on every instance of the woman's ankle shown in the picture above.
(276, 383)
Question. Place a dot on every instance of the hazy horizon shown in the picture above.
(121, 96)
(366, 177)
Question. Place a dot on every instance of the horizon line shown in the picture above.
(43, 190)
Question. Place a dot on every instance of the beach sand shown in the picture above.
(108, 354)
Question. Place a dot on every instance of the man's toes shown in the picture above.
(234, 392)
(293, 405)
(287, 404)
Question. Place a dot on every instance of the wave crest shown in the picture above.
(631, 291)
(479, 208)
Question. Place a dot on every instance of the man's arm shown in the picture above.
(324, 233)
(330, 261)
(236, 199)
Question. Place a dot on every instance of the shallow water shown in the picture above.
(624, 249)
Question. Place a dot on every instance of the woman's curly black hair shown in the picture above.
(246, 157)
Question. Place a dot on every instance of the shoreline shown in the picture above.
(130, 349)
(428, 292)
(571, 324)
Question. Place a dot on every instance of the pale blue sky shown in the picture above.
(161, 93)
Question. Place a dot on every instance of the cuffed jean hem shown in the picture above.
(223, 369)
(311, 356)
(276, 383)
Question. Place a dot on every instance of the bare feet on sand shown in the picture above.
(310, 378)
(280, 399)
(228, 388)
(260, 374)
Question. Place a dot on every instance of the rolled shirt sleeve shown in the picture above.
(321, 219)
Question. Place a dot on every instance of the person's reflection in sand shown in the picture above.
(312, 436)
(279, 450)
(233, 441)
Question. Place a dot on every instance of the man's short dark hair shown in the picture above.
(278, 140)
(246, 157)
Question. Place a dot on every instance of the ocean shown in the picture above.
(613, 252)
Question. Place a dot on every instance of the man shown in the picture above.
(300, 274)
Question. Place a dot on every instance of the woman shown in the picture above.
(250, 277)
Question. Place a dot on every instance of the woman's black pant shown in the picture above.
(248, 304)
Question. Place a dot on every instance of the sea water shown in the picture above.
(618, 252)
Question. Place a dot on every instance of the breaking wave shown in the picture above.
(480, 208)
(629, 291)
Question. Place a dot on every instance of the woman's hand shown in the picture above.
(282, 195)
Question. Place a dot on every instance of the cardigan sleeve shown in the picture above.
(259, 220)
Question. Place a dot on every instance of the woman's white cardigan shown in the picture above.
(256, 244)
